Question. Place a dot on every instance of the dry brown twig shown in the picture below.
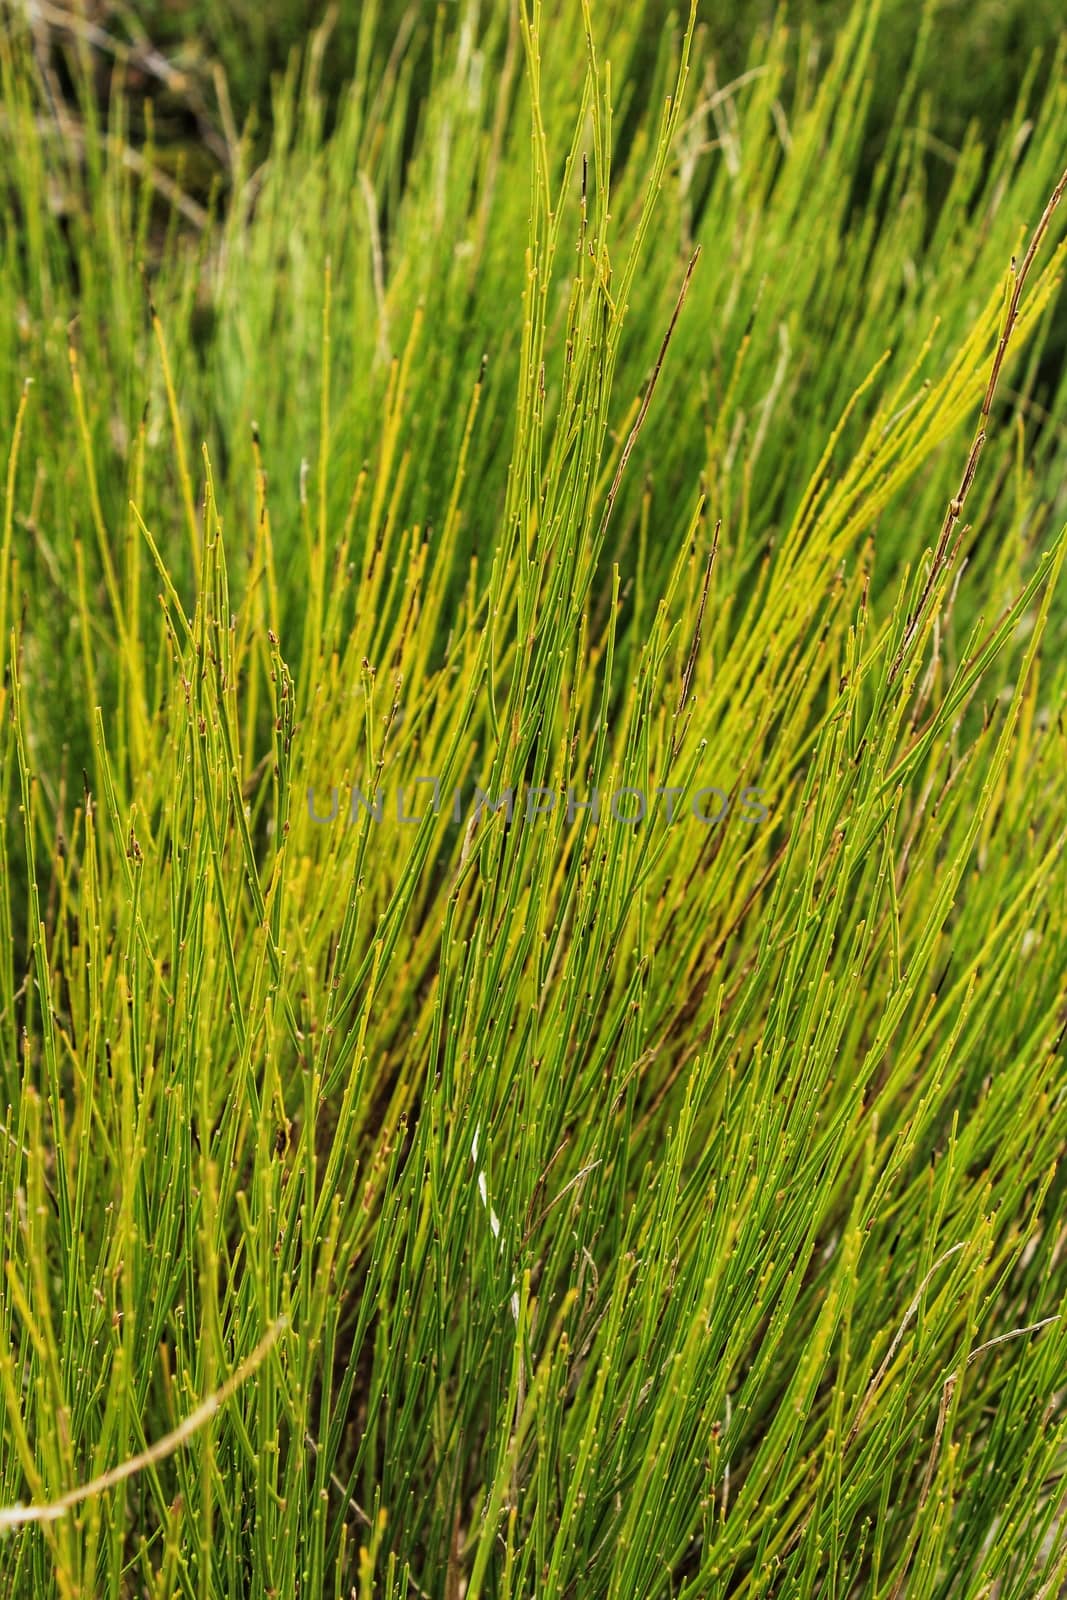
(18, 1515)
(943, 558)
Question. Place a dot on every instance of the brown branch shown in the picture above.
(955, 506)
(18, 1515)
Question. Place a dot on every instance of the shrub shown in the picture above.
(436, 1195)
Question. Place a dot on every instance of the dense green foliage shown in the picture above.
(512, 1203)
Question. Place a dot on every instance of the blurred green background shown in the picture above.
(977, 57)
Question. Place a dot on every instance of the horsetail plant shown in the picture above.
(622, 1154)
